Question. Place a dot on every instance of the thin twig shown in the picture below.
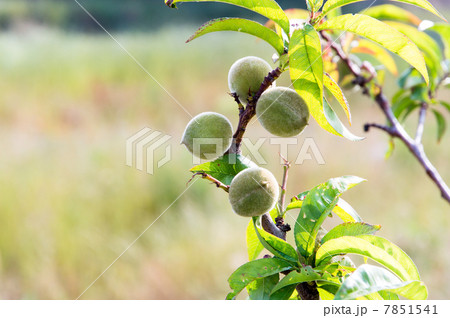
(286, 167)
(206, 176)
(395, 129)
(421, 124)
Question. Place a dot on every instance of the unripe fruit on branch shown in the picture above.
(246, 76)
(253, 192)
(282, 112)
(208, 135)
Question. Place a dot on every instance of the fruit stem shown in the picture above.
(286, 167)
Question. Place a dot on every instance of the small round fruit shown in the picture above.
(246, 76)
(253, 192)
(208, 135)
(282, 112)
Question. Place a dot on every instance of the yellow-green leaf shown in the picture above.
(381, 33)
(392, 13)
(268, 8)
(424, 4)
(368, 47)
(306, 70)
(429, 47)
(244, 26)
(336, 91)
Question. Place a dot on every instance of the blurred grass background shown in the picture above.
(69, 206)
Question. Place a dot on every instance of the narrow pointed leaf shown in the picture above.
(314, 5)
(306, 70)
(380, 54)
(250, 271)
(317, 205)
(336, 123)
(429, 47)
(441, 124)
(368, 279)
(275, 245)
(268, 8)
(244, 26)
(342, 209)
(392, 13)
(381, 33)
(346, 212)
(254, 246)
(444, 31)
(424, 4)
(336, 91)
(350, 229)
(224, 168)
(374, 247)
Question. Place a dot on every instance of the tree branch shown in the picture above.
(395, 129)
(421, 124)
(245, 115)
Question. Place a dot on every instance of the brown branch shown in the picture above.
(245, 115)
(206, 176)
(395, 129)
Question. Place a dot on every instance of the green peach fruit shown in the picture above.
(246, 76)
(253, 192)
(208, 135)
(282, 112)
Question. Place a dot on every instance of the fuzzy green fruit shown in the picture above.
(208, 135)
(282, 112)
(246, 76)
(253, 192)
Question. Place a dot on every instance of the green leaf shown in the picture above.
(381, 33)
(377, 248)
(336, 123)
(431, 50)
(250, 271)
(343, 210)
(336, 91)
(369, 279)
(387, 295)
(275, 245)
(241, 25)
(350, 229)
(403, 105)
(392, 13)
(444, 31)
(254, 246)
(268, 8)
(445, 104)
(261, 288)
(314, 5)
(333, 4)
(224, 168)
(317, 205)
(441, 124)
(306, 71)
(306, 274)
